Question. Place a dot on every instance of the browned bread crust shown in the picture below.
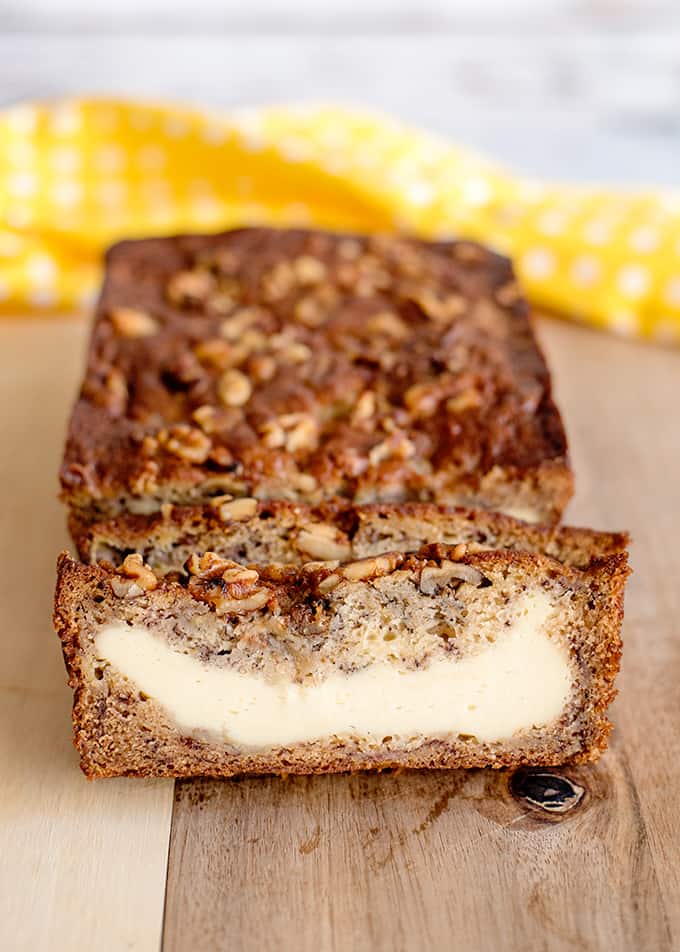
(304, 365)
(118, 731)
(248, 530)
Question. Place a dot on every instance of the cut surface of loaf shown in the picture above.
(306, 366)
(247, 530)
(437, 659)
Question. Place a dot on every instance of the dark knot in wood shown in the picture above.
(542, 790)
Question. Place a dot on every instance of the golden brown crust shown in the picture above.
(248, 530)
(309, 365)
(118, 733)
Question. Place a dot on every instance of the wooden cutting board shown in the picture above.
(444, 860)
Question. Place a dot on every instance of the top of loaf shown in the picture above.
(306, 365)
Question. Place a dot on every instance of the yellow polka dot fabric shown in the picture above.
(76, 176)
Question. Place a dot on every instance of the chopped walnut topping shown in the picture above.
(235, 510)
(209, 565)
(205, 417)
(130, 322)
(187, 442)
(288, 349)
(135, 578)
(422, 399)
(273, 435)
(389, 324)
(295, 431)
(362, 570)
(365, 406)
(468, 253)
(397, 446)
(439, 309)
(236, 589)
(145, 480)
(215, 352)
(244, 319)
(508, 294)
(466, 400)
(279, 282)
(304, 482)
(309, 270)
(149, 446)
(235, 606)
(434, 577)
(234, 388)
(190, 287)
(116, 392)
(349, 249)
(239, 574)
(324, 541)
(371, 567)
(301, 431)
(261, 368)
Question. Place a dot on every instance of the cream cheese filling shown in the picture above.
(521, 680)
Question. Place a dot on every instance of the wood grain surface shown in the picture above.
(442, 860)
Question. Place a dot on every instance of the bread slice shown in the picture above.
(304, 365)
(247, 530)
(438, 659)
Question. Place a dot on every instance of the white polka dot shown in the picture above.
(110, 158)
(214, 134)
(623, 322)
(41, 269)
(22, 184)
(672, 292)
(552, 222)
(644, 239)
(20, 152)
(294, 149)
(597, 232)
(161, 215)
(10, 244)
(585, 270)
(22, 120)
(476, 191)
(207, 210)
(538, 263)
(65, 159)
(176, 127)
(156, 190)
(19, 216)
(111, 193)
(633, 280)
(66, 193)
(42, 297)
(420, 193)
(152, 158)
(65, 119)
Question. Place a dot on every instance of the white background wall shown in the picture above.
(581, 89)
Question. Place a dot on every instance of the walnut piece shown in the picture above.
(325, 542)
(187, 442)
(131, 322)
(190, 287)
(234, 388)
(134, 578)
(235, 510)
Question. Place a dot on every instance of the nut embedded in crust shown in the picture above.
(131, 322)
(235, 510)
(134, 578)
(234, 389)
(324, 542)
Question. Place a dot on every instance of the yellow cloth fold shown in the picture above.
(78, 175)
